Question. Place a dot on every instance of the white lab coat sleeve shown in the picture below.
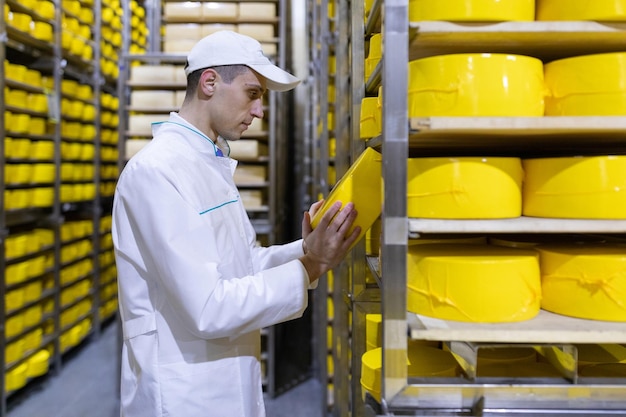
(181, 251)
(266, 257)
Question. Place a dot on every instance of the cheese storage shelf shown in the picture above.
(64, 82)
(546, 327)
(404, 137)
(515, 134)
(547, 40)
(525, 130)
(521, 224)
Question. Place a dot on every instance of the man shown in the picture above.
(194, 288)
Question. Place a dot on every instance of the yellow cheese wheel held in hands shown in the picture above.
(361, 185)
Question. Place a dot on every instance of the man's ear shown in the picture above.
(207, 81)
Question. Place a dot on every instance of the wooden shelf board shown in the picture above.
(521, 224)
(566, 134)
(542, 39)
(546, 327)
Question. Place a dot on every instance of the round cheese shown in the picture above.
(489, 356)
(473, 283)
(587, 85)
(38, 364)
(591, 354)
(529, 240)
(476, 85)
(422, 361)
(448, 238)
(373, 333)
(604, 370)
(584, 281)
(519, 370)
(471, 10)
(602, 10)
(464, 187)
(575, 187)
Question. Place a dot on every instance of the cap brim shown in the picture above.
(276, 78)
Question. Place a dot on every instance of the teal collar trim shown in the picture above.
(216, 149)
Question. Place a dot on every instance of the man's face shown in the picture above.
(237, 104)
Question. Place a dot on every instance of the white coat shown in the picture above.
(194, 289)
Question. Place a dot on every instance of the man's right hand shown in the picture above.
(328, 244)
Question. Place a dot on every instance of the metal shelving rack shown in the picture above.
(439, 136)
(58, 62)
(332, 122)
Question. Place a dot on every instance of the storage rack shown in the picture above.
(318, 164)
(268, 218)
(332, 153)
(59, 277)
(444, 135)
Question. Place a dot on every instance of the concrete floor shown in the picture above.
(87, 386)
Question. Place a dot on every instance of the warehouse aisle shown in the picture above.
(87, 387)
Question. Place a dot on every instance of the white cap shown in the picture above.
(231, 48)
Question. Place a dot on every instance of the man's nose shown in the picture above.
(257, 109)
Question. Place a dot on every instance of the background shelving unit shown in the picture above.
(59, 152)
(331, 153)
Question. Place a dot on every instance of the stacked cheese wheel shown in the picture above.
(473, 283)
(422, 361)
(464, 187)
(482, 84)
(591, 187)
(472, 10)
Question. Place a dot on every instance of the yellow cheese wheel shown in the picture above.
(464, 187)
(370, 118)
(476, 85)
(584, 281)
(448, 238)
(588, 85)
(473, 283)
(13, 351)
(16, 378)
(38, 364)
(603, 10)
(471, 10)
(422, 361)
(575, 187)
(361, 185)
(374, 54)
(489, 356)
(604, 370)
(592, 353)
(373, 331)
(519, 370)
(529, 240)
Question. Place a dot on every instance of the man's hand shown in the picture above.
(327, 244)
